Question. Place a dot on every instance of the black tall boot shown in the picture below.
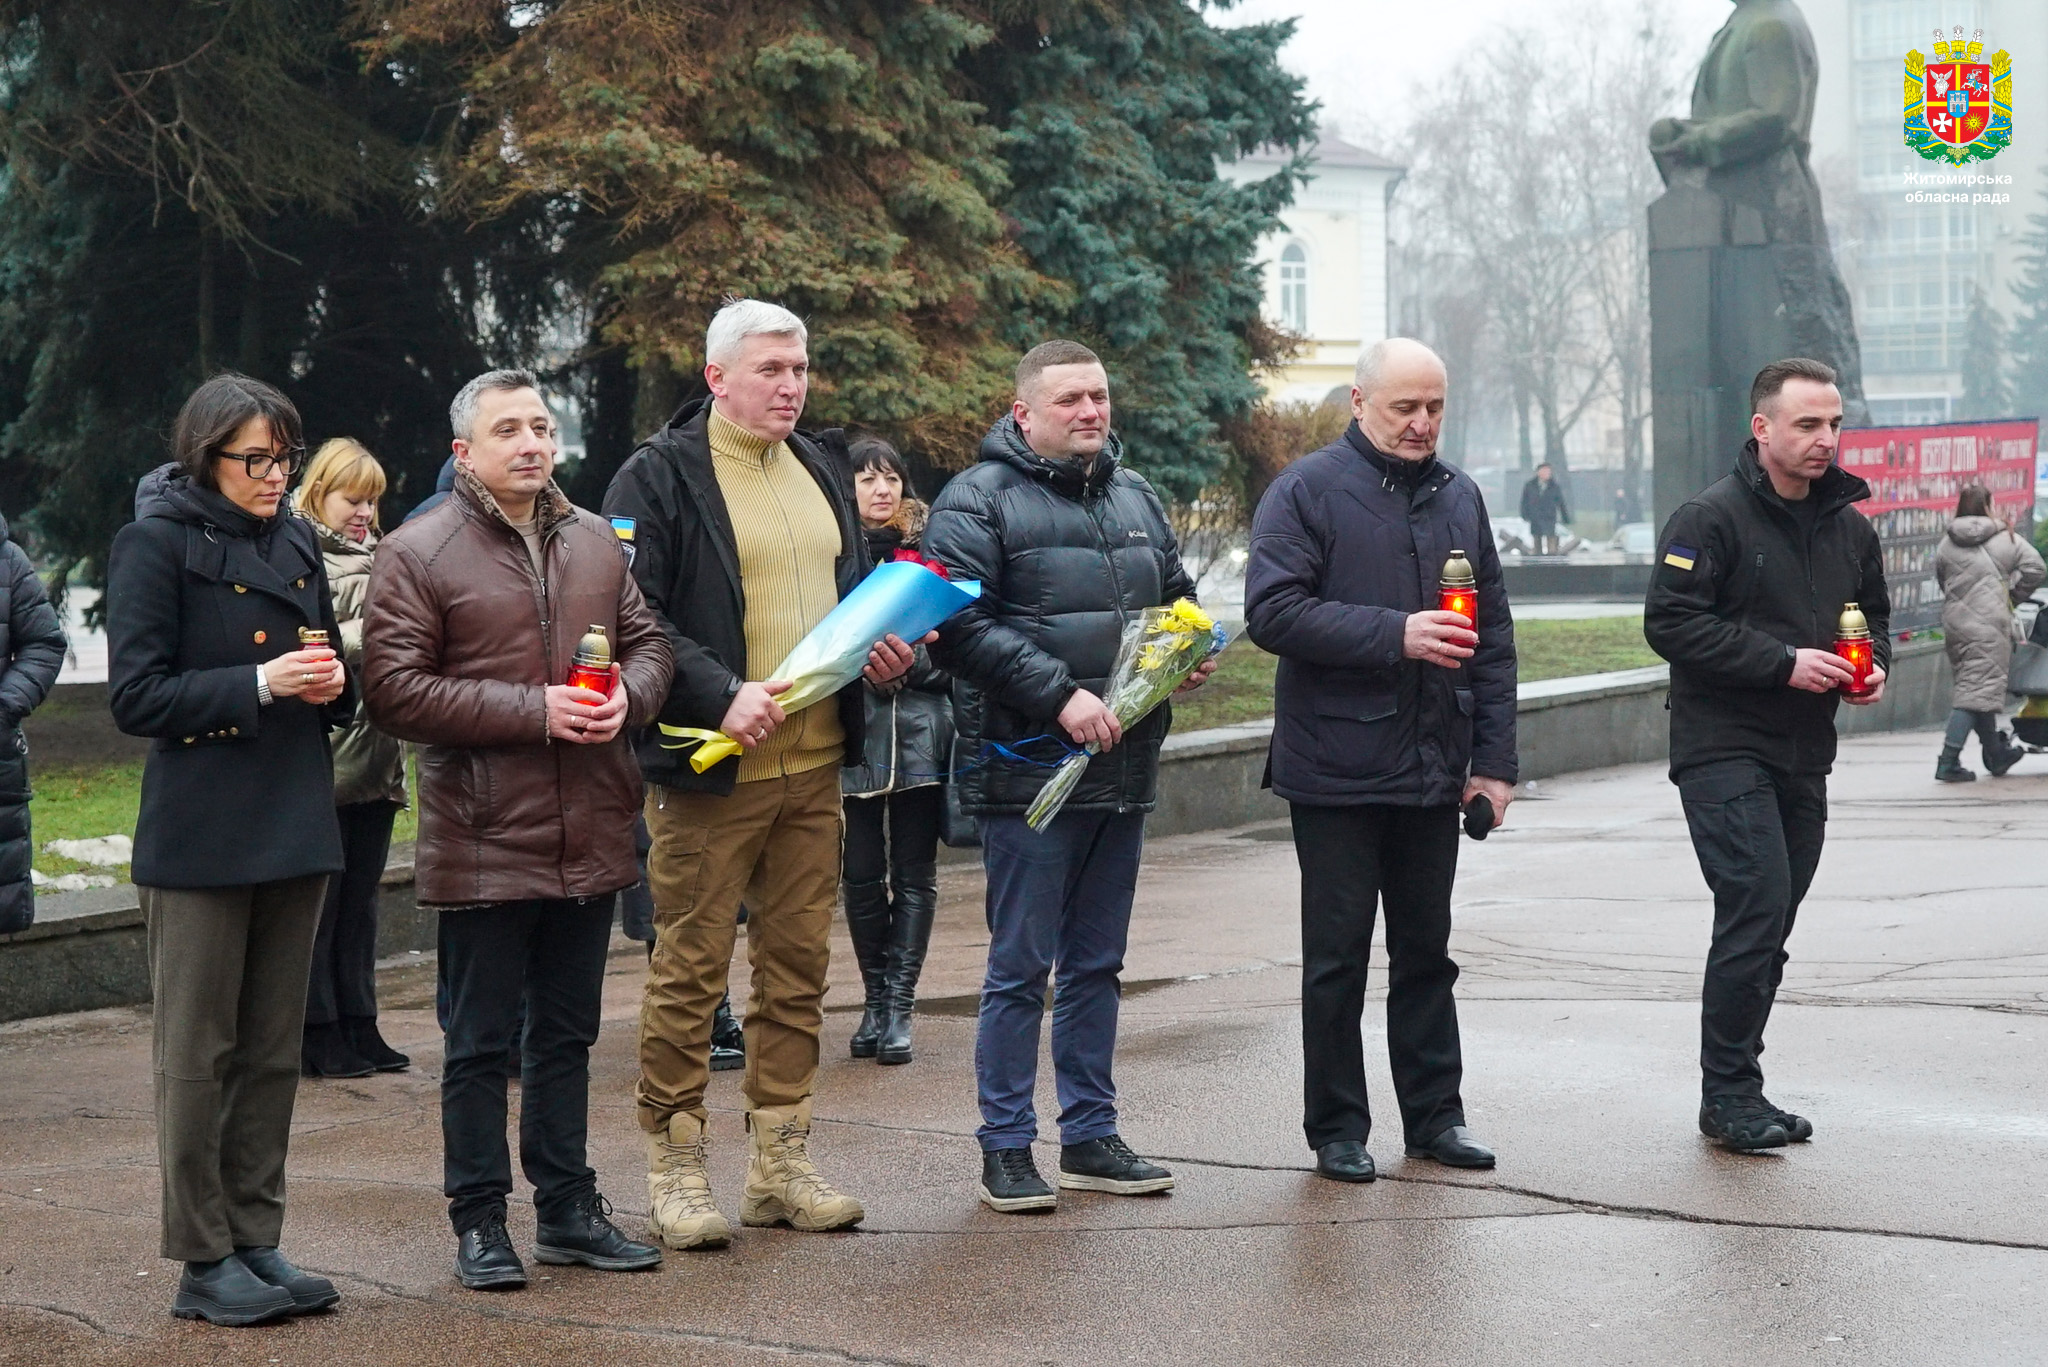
(917, 901)
(867, 921)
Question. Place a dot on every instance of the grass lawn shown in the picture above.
(77, 803)
(1242, 687)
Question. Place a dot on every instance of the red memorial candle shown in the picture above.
(592, 667)
(1459, 592)
(1853, 643)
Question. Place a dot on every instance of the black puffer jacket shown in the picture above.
(31, 652)
(200, 593)
(1065, 558)
(1739, 586)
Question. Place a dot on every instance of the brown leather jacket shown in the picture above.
(459, 640)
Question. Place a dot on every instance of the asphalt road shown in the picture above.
(1912, 1230)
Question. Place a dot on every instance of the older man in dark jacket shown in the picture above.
(1068, 546)
(527, 795)
(1388, 715)
(32, 650)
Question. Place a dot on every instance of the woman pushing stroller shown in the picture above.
(1983, 568)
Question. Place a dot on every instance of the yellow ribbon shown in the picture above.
(716, 745)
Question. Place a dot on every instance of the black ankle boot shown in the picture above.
(362, 1036)
(867, 921)
(917, 901)
(2002, 756)
(728, 1041)
(325, 1052)
(1949, 768)
(226, 1292)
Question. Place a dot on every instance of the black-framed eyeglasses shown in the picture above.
(259, 464)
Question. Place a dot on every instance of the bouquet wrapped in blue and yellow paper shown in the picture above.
(1160, 648)
(902, 598)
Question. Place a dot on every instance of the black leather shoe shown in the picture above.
(485, 1260)
(728, 1041)
(1454, 1148)
(587, 1235)
(1107, 1164)
(1345, 1160)
(226, 1292)
(1010, 1182)
(308, 1292)
(1742, 1123)
(363, 1037)
(1798, 1128)
(325, 1052)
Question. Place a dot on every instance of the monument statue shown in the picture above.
(1740, 269)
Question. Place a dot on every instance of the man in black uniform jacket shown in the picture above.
(1750, 580)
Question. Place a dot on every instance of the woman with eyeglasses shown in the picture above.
(338, 498)
(208, 591)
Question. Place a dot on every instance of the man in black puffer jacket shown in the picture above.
(32, 649)
(1068, 546)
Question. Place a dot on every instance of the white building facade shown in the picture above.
(1326, 269)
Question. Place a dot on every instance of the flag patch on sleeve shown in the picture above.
(1680, 557)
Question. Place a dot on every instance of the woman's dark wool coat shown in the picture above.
(199, 593)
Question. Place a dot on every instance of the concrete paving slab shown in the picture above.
(1914, 1229)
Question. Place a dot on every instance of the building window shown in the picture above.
(1294, 289)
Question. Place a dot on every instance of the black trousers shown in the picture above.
(1757, 832)
(886, 835)
(551, 954)
(344, 978)
(1352, 860)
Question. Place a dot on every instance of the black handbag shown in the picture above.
(958, 830)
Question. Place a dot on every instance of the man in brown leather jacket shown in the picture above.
(527, 797)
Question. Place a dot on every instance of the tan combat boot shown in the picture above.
(782, 1184)
(679, 1209)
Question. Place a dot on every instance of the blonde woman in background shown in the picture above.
(339, 497)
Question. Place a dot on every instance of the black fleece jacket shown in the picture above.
(1741, 583)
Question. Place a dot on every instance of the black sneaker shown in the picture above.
(1742, 1123)
(728, 1041)
(1010, 1182)
(308, 1292)
(1107, 1164)
(226, 1292)
(1798, 1128)
(485, 1260)
(587, 1235)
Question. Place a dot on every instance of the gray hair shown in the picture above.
(740, 319)
(1372, 362)
(462, 412)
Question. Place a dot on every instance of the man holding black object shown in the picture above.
(1391, 715)
(1752, 576)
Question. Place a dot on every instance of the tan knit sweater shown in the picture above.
(788, 543)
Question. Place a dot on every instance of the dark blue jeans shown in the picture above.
(1059, 905)
(547, 957)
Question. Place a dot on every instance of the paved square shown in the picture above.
(1912, 1230)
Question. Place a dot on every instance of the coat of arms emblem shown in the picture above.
(1958, 109)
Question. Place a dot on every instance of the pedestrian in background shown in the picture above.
(32, 647)
(894, 801)
(1751, 574)
(527, 796)
(1389, 715)
(207, 591)
(339, 498)
(1983, 568)
(1068, 544)
(1543, 508)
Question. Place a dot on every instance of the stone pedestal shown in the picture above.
(1717, 316)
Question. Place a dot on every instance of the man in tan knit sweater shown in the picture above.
(744, 538)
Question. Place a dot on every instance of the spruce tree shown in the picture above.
(2028, 340)
(1986, 392)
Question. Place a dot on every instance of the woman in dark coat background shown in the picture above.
(893, 798)
(31, 652)
(207, 591)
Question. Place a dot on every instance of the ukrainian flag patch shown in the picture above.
(1680, 557)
